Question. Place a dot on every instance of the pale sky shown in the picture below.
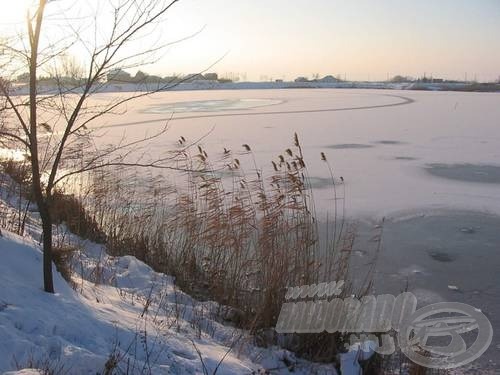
(364, 39)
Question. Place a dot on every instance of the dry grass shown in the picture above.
(68, 209)
(227, 232)
(235, 236)
(14, 183)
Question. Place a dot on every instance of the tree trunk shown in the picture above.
(42, 201)
(48, 283)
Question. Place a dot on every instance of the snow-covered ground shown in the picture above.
(118, 313)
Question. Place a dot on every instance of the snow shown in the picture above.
(80, 330)
(128, 311)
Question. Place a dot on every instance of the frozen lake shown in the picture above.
(398, 151)
(429, 162)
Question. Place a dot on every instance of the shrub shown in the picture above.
(68, 209)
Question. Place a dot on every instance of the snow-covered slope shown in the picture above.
(80, 333)
(119, 316)
(141, 323)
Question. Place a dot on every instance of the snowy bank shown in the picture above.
(80, 333)
(142, 324)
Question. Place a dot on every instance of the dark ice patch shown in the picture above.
(407, 158)
(343, 146)
(320, 182)
(389, 142)
(487, 174)
(441, 256)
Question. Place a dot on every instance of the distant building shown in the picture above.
(431, 80)
(279, 81)
(211, 76)
(301, 79)
(194, 77)
(328, 79)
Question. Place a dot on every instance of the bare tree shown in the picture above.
(52, 126)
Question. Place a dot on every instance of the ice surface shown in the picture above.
(382, 153)
(440, 256)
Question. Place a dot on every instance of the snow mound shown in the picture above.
(130, 318)
(80, 333)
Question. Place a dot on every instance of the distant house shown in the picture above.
(431, 80)
(301, 79)
(279, 81)
(328, 79)
(211, 76)
(194, 77)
